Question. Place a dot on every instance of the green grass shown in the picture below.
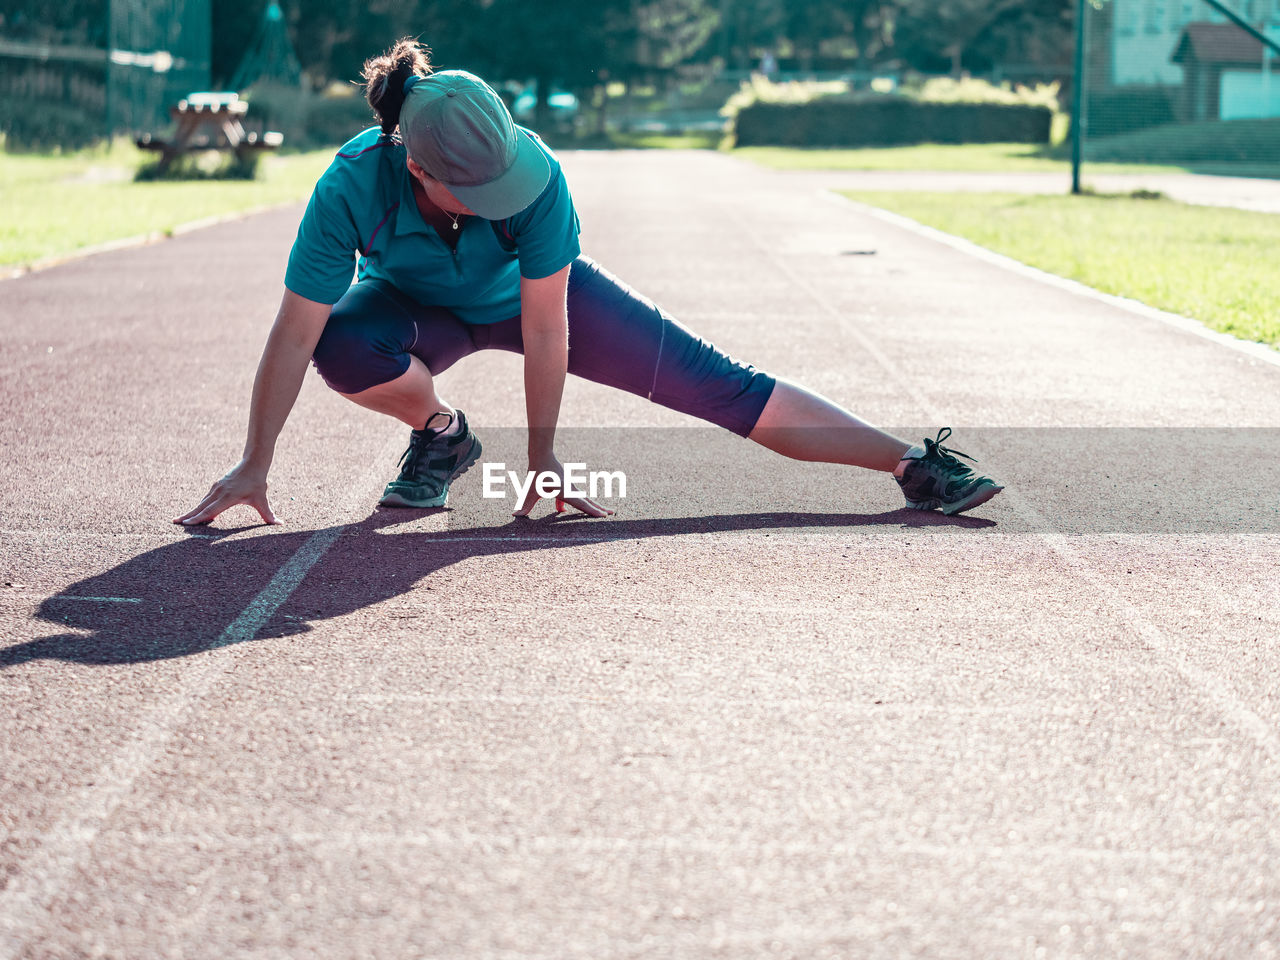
(618, 140)
(695, 140)
(1217, 265)
(968, 158)
(57, 204)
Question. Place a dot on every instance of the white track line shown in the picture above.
(277, 591)
(1218, 692)
(63, 851)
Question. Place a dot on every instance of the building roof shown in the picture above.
(1223, 43)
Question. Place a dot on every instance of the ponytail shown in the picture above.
(385, 75)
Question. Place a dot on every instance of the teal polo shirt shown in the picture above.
(364, 205)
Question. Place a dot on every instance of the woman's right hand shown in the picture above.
(245, 483)
(289, 347)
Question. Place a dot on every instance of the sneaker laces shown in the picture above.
(419, 440)
(946, 457)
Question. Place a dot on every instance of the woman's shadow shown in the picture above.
(187, 597)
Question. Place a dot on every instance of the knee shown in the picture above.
(696, 377)
(354, 354)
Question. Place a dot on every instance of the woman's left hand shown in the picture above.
(552, 465)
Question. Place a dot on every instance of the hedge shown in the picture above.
(1112, 112)
(887, 122)
(47, 125)
(1206, 143)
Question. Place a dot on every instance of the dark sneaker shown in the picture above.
(431, 463)
(937, 479)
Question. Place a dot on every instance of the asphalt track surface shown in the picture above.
(763, 712)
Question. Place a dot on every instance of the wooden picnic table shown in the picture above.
(209, 121)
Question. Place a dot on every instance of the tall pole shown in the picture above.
(108, 78)
(1267, 55)
(1077, 98)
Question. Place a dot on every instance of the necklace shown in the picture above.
(454, 217)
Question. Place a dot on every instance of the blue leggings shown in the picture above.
(616, 337)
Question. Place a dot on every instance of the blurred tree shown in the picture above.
(1035, 32)
(234, 24)
(936, 36)
(582, 44)
(670, 32)
(865, 26)
(75, 22)
(333, 37)
(546, 41)
(649, 40)
(749, 28)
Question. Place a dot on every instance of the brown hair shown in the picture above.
(384, 78)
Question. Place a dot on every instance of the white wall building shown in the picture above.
(1145, 33)
(1224, 72)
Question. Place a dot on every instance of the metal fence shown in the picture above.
(1189, 83)
(116, 70)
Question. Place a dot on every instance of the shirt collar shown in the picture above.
(408, 218)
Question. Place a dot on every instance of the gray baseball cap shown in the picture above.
(456, 127)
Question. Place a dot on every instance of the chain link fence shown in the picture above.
(1189, 83)
(74, 75)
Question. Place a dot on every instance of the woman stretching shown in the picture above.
(467, 240)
